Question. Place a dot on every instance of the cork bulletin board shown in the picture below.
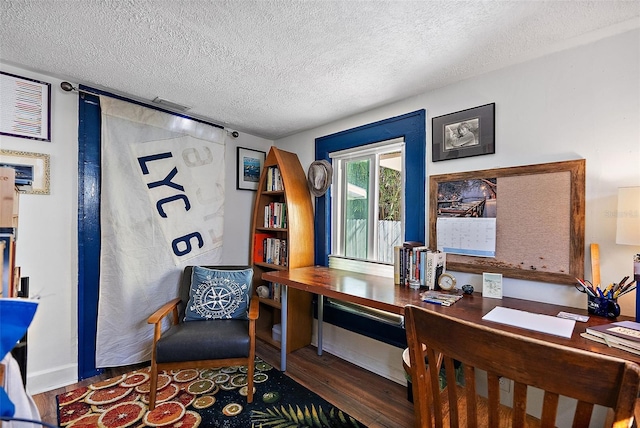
(539, 211)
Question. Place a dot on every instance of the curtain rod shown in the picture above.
(68, 87)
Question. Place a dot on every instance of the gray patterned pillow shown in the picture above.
(218, 294)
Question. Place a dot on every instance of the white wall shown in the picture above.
(47, 237)
(579, 103)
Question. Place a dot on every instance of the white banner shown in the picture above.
(162, 200)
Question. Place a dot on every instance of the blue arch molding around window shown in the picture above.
(89, 127)
(411, 126)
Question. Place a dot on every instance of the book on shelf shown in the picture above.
(414, 261)
(258, 247)
(275, 251)
(275, 215)
(436, 265)
(440, 297)
(625, 333)
(274, 179)
(396, 264)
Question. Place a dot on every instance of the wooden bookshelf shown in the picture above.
(298, 236)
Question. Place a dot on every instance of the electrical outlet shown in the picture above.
(505, 384)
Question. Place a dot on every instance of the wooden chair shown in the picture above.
(588, 377)
(200, 344)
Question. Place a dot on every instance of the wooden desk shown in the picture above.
(381, 293)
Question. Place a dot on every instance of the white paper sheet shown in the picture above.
(531, 321)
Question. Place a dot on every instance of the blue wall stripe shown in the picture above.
(89, 120)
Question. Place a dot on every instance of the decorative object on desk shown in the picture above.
(492, 285)
(603, 301)
(628, 228)
(440, 297)
(32, 170)
(465, 133)
(249, 168)
(603, 307)
(447, 281)
(467, 289)
(26, 107)
(319, 177)
(201, 397)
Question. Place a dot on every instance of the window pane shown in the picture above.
(389, 228)
(357, 209)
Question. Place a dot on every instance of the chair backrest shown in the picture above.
(558, 370)
(185, 283)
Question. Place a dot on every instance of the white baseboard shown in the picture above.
(377, 357)
(47, 380)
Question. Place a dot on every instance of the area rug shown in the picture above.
(200, 397)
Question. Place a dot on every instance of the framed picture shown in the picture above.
(492, 285)
(26, 107)
(249, 168)
(465, 133)
(32, 170)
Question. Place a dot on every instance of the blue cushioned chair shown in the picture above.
(201, 344)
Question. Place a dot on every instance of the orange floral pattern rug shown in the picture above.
(190, 398)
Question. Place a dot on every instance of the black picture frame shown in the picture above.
(249, 165)
(31, 117)
(465, 133)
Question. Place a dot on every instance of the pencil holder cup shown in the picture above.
(603, 307)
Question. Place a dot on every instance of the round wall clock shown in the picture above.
(446, 281)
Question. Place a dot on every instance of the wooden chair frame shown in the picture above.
(558, 370)
(172, 308)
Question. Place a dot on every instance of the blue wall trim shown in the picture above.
(89, 120)
(411, 126)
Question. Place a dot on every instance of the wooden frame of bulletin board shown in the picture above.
(539, 211)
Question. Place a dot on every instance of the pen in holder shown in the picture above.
(603, 307)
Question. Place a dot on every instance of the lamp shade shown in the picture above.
(628, 226)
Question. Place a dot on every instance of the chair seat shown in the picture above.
(225, 339)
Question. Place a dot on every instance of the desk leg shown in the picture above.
(320, 319)
(283, 321)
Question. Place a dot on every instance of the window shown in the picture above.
(410, 128)
(368, 201)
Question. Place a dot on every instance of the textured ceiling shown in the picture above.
(276, 67)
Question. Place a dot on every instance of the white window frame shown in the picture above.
(372, 152)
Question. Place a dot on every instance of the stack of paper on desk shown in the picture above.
(531, 321)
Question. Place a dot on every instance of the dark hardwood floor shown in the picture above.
(373, 400)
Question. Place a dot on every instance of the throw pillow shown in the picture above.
(218, 294)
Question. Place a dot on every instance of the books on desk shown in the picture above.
(623, 335)
(440, 298)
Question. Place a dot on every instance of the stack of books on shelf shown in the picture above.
(275, 215)
(412, 261)
(274, 179)
(623, 335)
(275, 251)
(267, 249)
